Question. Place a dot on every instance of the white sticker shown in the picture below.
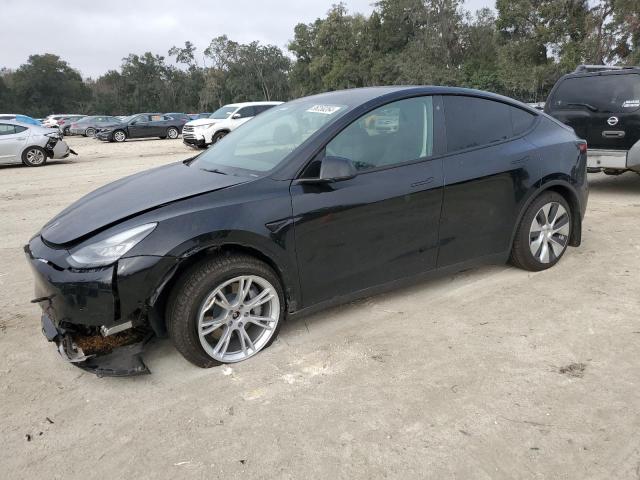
(631, 103)
(326, 109)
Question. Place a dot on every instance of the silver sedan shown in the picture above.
(30, 144)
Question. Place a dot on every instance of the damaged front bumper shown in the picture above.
(116, 357)
(100, 319)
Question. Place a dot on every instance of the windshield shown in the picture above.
(600, 93)
(262, 143)
(128, 119)
(223, 113)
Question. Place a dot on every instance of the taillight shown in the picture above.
(582, 146)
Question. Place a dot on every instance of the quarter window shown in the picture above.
(396, 133)
(474, 122)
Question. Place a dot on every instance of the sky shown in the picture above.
(93, 37)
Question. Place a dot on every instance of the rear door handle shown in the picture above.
(520, 161)
(421, 183)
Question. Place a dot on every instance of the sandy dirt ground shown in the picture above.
(460, 377)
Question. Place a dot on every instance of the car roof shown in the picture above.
(358, 96)
(249, 104)
(601, 73)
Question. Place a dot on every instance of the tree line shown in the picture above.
(519, 49)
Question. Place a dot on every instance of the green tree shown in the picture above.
(48, 84)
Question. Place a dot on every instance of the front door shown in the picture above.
(382, 224)
(140, 127)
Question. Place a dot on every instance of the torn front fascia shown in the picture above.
(121, 361)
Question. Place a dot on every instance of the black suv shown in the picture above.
(602, 104)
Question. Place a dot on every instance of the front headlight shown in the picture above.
(109, 250)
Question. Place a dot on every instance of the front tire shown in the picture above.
(225, 310)
(34, 157)
(119, 136)
(218, 136)
(543, 234)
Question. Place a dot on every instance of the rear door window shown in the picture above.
(474, 122)
(613, 93)
(7, 129)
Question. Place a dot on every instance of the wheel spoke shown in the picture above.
(544, 253)
(247, 338)
(263, 322)
(221, 299)
(244, 285)
(557, 246)
(223, 342)
(552, 214)
(263, 297)
(562, 226)
(211, 326)
(536, 244)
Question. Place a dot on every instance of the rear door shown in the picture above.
(488, 171)
(603, 108)
(382, 224)
(12, 140)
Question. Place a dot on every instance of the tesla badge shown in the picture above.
(612, 121)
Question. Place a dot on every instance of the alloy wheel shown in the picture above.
(549, 233)
(238, 318)
(172, 133)
(119, 136)
(35, 156)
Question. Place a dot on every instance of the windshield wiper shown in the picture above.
(586, 105)
(215, 170)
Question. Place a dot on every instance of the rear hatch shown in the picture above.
(603, 108)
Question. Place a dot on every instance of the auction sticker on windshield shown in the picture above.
(325, 109)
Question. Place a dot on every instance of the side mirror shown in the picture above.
(236, 115)
(335, 169)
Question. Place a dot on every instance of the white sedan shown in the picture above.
(30, 144)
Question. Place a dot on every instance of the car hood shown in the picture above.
(132, 196)
(204, 121)
(110, 126)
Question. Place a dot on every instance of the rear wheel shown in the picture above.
(225, 310)
(543, 234)
(172, 133)
(34, 157)
(89, 132)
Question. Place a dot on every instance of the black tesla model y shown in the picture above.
(317, 201)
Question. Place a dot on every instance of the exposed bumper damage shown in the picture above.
(100, 319)
(119, 355)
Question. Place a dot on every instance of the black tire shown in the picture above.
(521, 254)
(172, 133)
(218, 136)
(119, 136)
(34, 157)
(89, 132)
(195, 285)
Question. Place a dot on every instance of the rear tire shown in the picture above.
(34, 157)
(89, 132)
(172, 133)
(200, 285)
(543, 234)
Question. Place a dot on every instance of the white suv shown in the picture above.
(205, 131)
